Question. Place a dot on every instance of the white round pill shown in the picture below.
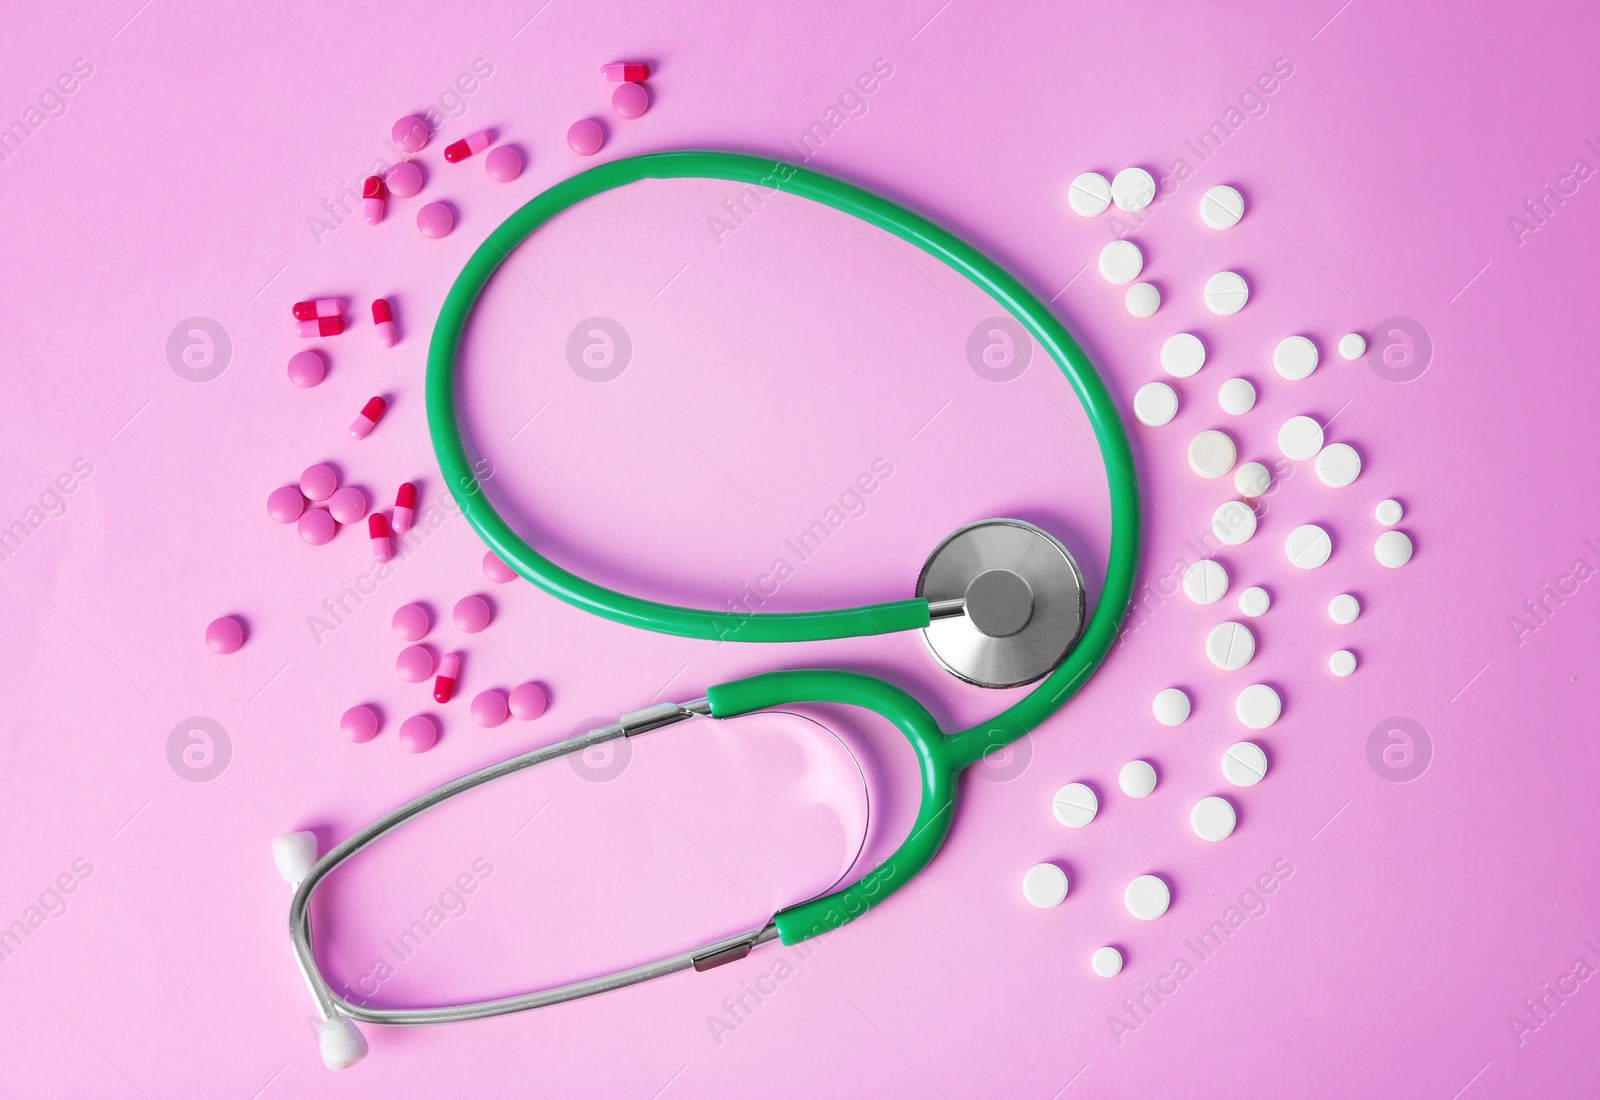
(1389, 512)
(1222, 207)
(1230, 646)
(1255, 602)
(1236, 396)
(1147, 897)
(1045, 885)
(1294, 358)
(1258, 706)
(1182, 354)
(1133, 189)
(1171, 707)
(1308, 546)
(1142, 299)
(1338, 464)
(1393, 549)
(1107, 962)
(1205, 581)
(1226, 293)
(1233, 523)
(1344, 609)
(1342, 663)
(1121, 262)
(1252, 479)
(1244, 764)
(1300, 438)
(1213, 818)
(1075, 805)
(1089, 194)
(1352, 345)
(1212, 454)
(1137, 778)
(1155, 404)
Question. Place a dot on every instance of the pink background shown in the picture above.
(768, 372)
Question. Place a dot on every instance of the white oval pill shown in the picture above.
(1137, 778)
(1338, 464)
(1222, 207)
(1233, 523)
(1342, 663)
(1106, 962)
(1352, 345)
(1212, 454)
(1213, 818)
(1226, 293)
(1075, 805)
(1252, 479)
(1155, 404)
(1258, 706)
(1255, 602)
(1133, 189)
(1230, 646)
(1344, 609)
(1244, 764)
(1300, 438)
(1236, 396)
(1142, 300)
(1393, 549)
(1089, 194)
(1121, 262)
(1182, 354)
(1389, 512)
(1045, 885)
(1205, 581)
(1171, 707)
(1294, 358)
(1308, 546)
(1147, 897)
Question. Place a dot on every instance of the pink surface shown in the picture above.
(185, 173)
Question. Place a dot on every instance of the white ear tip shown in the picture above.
(342, 1043)
(294, 853)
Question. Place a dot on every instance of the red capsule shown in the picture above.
(384, 319)
(405, 504)
(378, 533)
(630, 71)
(472, 143)
(372, 199)
(327, 326)
(371, 413)
(321, 307)
(444, 685)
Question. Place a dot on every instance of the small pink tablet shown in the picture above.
(471, 614)
(586, 137)
(419, 733)
(630, 100)
(411, 133)
(528, 701)
(318, 482)
(307, 368)
(286, 504)
(348, 504)
(436, 220)
(415, 664)
(225, 635)
(497, 570)
(317, 526)
(411, 622)
(403, 180)
(503, 163)
(489, 708)
(360, 723)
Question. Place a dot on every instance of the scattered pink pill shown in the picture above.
(411, 134)
(435, 220)
(317, 526)
(378, 533)
(225, 635)
(444, 684)
(497, 570)
(314, 308)
(360, 723)
(419, 733)
(372, 199)
(405, 507)
(411, 622)
(326, 326)
(318, 482)
(404, 180)
(347, 504)
(630, 100)
(286, 504)
(528, 701)
(631, 71)
(307, 368)
(414, 664)
(368, 418)
(383, 318)
(471, 614)
(503, 163)
(489, 708)
(585, 137)
(472, 143)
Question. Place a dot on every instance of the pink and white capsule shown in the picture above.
(630, 71)
(472, 143)
(378, 533)
(383, 317)
(444, 685)
(371, 413)
(372, 199)
(405, 503)
(318, 307)
(325, 326)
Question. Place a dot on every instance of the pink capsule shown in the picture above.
(630, 71)
(405, 503)
(372, 196)
(371, 413)
(444, 684)
(472, 143)
(378, 533)
(383, 317)
(321, 307)
(326, 326)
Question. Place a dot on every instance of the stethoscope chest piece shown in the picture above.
(1008, 603)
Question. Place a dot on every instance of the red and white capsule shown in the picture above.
(378, 534)
(373, 195)
(383, 317)
(472, 143)
(320, 307)
(629, 72)
(405, 505)
(324, 326)
(444, 684)
(371, 413)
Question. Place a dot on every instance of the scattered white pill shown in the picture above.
(1236, 396)
(1344, 609)
(1089, 194)
(1294, 358)
(1045, 885)
(1213, 818)
(1075, 805)
(1244, 764)
(1230, 646)
(1133, 189)
(1147, 897)
(1252, 479)
(1393, 549)
(1107, 962)
(1121, 262)
(1142, 300)
(1233, 523)
(1171, 707)
(1300, 438)
(1205, 581)
(1342, 663)
(1258, 706)
(1182, 354)
(1338, 464)
(1155, 404)
(1352, 345)
(1226, 293)
(1389, 512)
(1212, 454)
(1308, 546)
(1222, 207)
(1255, 602)
(1137, 778)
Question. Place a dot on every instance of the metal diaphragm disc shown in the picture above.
(1024, 603)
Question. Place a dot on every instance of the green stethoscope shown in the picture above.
(999, 603)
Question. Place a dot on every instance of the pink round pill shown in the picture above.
(419, 733)
(497, 570)
(411, 622)
(415, 664)
(403, 180)
(586, 137)
(348, 504)
(317, 526)
(318, 482)
(411, 133)
(489, 708)
(286, 504)
(471, 614)
(225, 635)
(503, 163)
(360, 723)
(630, 100)
(307, 368)
(436, 220)
(528, 701)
